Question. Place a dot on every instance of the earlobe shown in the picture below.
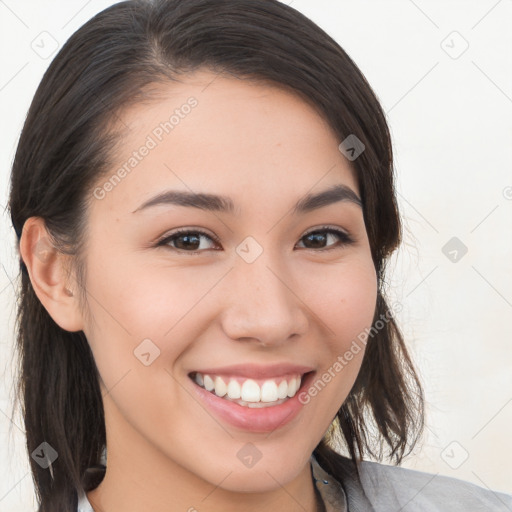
(47, 270)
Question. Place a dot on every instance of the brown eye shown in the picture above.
(319, 237)
(186, 240)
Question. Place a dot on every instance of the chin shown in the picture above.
(257, 481)
(263, 476)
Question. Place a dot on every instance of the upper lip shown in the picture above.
(254, 371)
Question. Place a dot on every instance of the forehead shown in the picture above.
(212, 133)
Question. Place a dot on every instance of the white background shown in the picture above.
(450, 116)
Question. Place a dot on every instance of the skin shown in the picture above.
(265, 148)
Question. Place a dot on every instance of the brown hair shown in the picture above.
(66, 146)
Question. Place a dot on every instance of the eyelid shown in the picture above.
(188, 229)
(326, 228)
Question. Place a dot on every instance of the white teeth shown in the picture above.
(250, 391)
(269, 391)
(292, 387)
(234, 389)
(282, 390)
(208, 383)
(220, 387)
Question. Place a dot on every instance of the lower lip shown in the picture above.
(263, 419)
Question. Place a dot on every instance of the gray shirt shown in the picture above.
(395, 489)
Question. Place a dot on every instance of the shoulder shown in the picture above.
(416, 491)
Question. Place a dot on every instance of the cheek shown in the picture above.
(345, 299)
(141, 301)
(143, 320)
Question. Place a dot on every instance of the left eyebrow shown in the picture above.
(332, 195)
(217, 203)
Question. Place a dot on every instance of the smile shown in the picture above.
(251, 397)
(254, 393)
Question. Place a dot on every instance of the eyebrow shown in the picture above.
(217, 203)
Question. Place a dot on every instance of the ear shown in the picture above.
(48, 271)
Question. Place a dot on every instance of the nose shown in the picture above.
(263, 304)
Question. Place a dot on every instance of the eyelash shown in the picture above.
(345, 239)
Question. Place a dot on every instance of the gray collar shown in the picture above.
(347, 496)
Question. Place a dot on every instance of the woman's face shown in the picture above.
(246, 298)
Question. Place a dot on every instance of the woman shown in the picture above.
(204, 201)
